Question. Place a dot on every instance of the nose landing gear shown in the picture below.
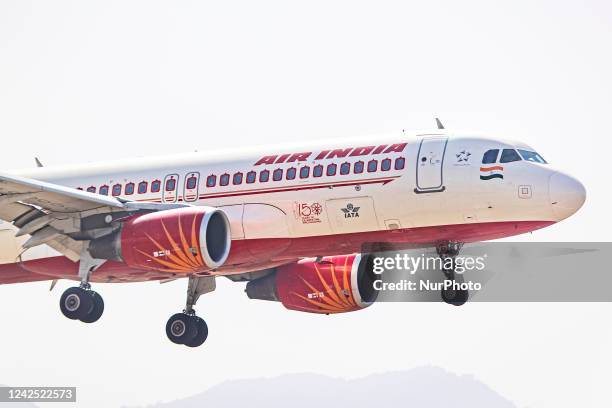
(186, 328)
(451, 295)
(455, 297)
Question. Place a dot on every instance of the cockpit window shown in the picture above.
(490, 156)
(531, 156)
(509, 155)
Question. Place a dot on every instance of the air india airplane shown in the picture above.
(299, 224)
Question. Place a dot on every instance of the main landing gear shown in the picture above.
(187, 328)
(448, 251)
(80, 302)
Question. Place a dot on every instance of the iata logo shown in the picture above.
(350, 211)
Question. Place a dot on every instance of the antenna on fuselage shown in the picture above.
(440, 125)
(38, 163)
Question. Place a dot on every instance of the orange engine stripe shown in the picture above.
(491, 168)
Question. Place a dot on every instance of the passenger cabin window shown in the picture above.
(91, 189)
(385, 165)
(531, 156)
(304, 172)
(251, 177)
(490, 156)
(372, 166)
(399, 163)
(345, 168)
(224, 179)
(155, 186)
(264, 176)
(170, 184)
(129, 188)
(509, 155)
(317, 171)
(116, 190)
(142, 187)
(211, 180)
(277, 175)
(104, 190)
(192, 182)
(331, 169)
(237, 178)
(358, 169)
(291, 173)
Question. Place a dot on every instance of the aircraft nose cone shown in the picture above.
(566, 195)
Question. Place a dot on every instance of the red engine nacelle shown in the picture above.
(183, 240)
(336, 284)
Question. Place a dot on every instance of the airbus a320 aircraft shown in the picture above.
(298, 224)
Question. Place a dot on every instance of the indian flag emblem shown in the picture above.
(488, 173)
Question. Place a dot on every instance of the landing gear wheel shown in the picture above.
(202, 332)
(455, 297)
(76, 303)
(97, 310)
(181, 328)
(187, 328)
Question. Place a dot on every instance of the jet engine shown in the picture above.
(334, 284)
(181, 240)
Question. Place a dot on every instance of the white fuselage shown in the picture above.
(388, 184)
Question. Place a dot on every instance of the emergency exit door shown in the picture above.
(170, 188)
(430, 165)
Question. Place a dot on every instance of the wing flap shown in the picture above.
(14, 211)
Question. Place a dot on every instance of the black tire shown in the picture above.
(202, 332)
(97, 310)
(76, 303)
(181, 328)
(455, 297)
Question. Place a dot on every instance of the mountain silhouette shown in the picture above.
(424, 387)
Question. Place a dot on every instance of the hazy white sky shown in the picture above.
(84, 80)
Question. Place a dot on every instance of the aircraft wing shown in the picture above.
(52, 197)
(61, 217)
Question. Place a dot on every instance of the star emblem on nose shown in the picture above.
(463, 156)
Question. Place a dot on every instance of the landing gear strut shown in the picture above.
(187, 328)
(80, 302)
(448, 251)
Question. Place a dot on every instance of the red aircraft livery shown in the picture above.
(332, 154)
